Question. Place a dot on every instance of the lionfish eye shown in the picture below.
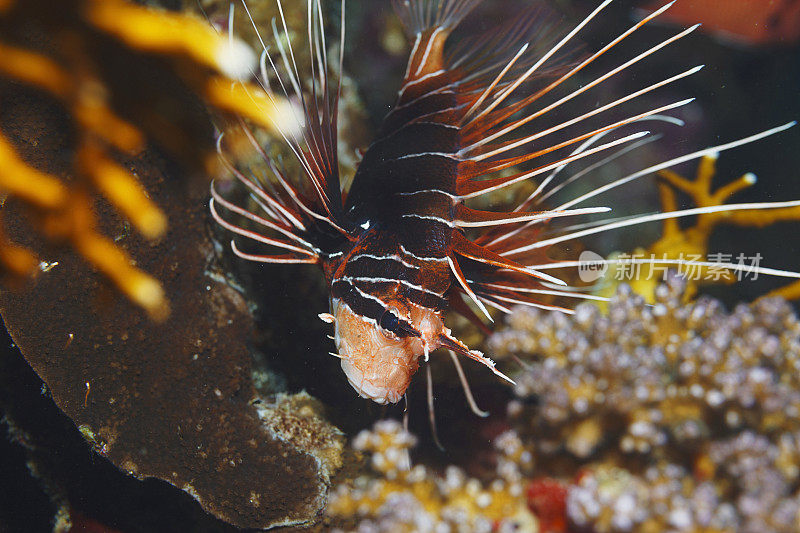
(389, 321)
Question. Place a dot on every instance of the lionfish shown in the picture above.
(394, 247)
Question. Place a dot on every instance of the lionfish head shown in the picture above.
(379, 356)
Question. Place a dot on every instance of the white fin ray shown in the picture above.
(532, 304)
(548, 292)
(753, 269)
(465, 285)
(546, 215)
(652, 218)
(672, 162)
(269, 258)
(217, 198)
(547, 168)
(257, 236)
(465, 386)
(525, 140)
(527, 74)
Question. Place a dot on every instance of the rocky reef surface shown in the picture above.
(173, 400)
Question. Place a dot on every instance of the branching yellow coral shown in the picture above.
(700, 191)
(77, 70)
(691, 243)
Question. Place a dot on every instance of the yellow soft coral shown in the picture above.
(691, 244)
(210, 64)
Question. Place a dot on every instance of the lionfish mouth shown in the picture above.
(378, 363)
(365, 388)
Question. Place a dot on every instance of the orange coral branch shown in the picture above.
(701, 193)
(726, 191)
(168, 33)
(678, 243)
(17, 178)
(96, 117)
(671, 227)
(207, 62)
(761, 218)
(15, 258)
(251, 102)
(789, 292)
(142, 289)
(121, 188)
(76, 223)
(34, 69)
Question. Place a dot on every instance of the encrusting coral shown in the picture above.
(171, 400)
(174, 401)
(100, 59)
(665, 417)
(691, 243)
(400, 497)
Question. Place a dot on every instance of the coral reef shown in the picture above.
(664, 498)
(692, 449)
(180, 399)
(125, 77)
(174, 400)
(670, 417)
(398, 496)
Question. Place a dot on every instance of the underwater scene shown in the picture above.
(381, 266)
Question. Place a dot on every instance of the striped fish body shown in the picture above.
(393, 247)
(403, 205)
(404, 202)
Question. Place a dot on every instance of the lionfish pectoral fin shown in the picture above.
(463, 282)
(467, 217)
(457, 304)
(446, 340)
(482, 254)
(293, 211)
